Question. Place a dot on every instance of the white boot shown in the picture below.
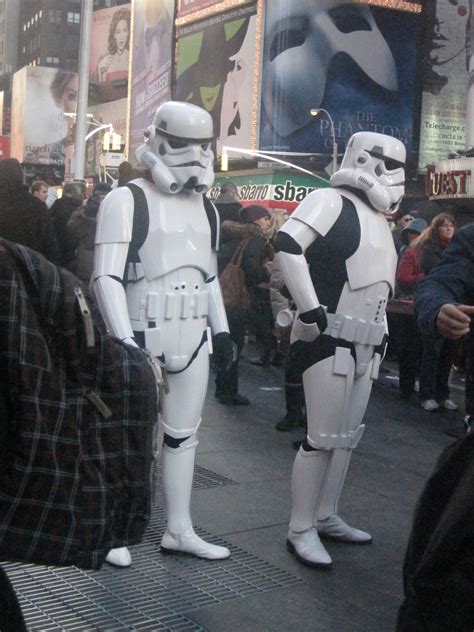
(309, 473)
(119, 557)
(179, 537)
(330, 525)
(308, 548)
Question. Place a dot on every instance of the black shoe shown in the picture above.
(234, 400)
(287, 424)
(264, 362)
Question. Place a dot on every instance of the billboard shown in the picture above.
(276, 190)
(109, 53)
(41, 126)
(153, 37)
(215, 70)
(190, 8)
(356, 61)
(445, 80)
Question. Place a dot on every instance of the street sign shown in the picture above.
(114, 158)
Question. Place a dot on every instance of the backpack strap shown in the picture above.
(239, 252)
(141, 222)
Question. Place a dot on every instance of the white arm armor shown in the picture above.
(314, 216)
(113, 235)
(217, 314)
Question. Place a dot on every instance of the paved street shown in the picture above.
(242, 498)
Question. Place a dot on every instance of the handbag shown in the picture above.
(232, 280)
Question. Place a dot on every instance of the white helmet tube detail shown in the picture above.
(177, 149)
(375, 164)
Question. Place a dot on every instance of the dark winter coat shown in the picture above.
(83, 227)
(438, 569)
(25, 220)
(61, 213)
(254, 256)
(431, 253)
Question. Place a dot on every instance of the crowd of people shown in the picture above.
(425, 333)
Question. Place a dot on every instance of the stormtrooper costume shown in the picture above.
(163, 292)
(338, 261)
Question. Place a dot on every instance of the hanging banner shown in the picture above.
(445, 80)
(215, 70)
(353, 60)
(153, 38)
(109, 57)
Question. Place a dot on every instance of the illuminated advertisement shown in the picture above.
(110, 46)
(113, 113)
(356, 61)
(445, 81)
(188, 8)
(215, 70)
(45, 99)
(153, 38)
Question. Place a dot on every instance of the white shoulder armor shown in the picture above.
(319, 210)
(115, 218)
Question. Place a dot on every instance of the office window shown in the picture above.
(55, 16)
(73, 18)
(52, 60)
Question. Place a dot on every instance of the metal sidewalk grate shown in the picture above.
(202, 478)
(155, 593)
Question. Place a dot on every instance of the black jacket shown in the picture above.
(431, 254)
(61, 213)
(26, 220)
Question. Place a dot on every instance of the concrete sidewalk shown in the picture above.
(242, 498)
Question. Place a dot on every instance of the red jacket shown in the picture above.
(409, 273)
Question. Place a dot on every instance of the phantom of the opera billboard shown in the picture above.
(45, 103)
(354, 60)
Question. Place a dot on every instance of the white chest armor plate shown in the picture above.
(179, 234)
(167, 296)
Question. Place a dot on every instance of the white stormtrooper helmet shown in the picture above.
(302, 37)
(177, 149)
(375, 164)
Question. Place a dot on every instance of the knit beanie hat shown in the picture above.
(253, 212)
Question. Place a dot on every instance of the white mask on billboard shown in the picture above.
(301, 39)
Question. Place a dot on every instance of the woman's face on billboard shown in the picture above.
(121, 35)
(68, 99)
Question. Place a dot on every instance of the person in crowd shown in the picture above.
(82, 226)
(338, 262)
(61, 213)
(233, 232)
(156, 284)
(437, 570)
(258, 266)
(438, 354)
(228, 202)
(445, 303)
(39, 189)
(408, 337)
(126, 173)
(401, 219)
(24, 218)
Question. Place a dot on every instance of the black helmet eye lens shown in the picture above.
(177, 144)
(391, 165)
(205, 146)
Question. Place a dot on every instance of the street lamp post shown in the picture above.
(83, 91)
(315, 112)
